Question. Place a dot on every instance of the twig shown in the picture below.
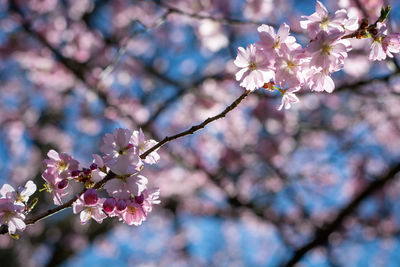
(197, 127)
(321, 235)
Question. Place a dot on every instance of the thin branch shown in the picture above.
(50, 212)
(197, 127)
(322, 234)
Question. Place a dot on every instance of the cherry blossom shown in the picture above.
(21, 195)
(124, 186)
(12, 215)
(256, 67)
(90, 206)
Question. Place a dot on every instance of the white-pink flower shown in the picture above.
(391, 44)
(123, 187)
(139, 141)
(288, 98)
(121, 156)
(271, 42)
(322, 20)
(328, 51)
(256, 67)
(20, 195)
(12, 215)
(53, 180)
(290, 67)
(134, 213)
(320, 80)
(148, 198)
(62, 163)
(89, 207)
(98, 174)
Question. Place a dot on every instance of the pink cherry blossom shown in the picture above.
(322, 20)
(88, 211)
(139, 141)
(134, 214)
(148, 198)
(121, 156)
(52, 179)
(290, 67)
(256, 67)
(62, 163)
(328, 51)
(391, 44)
(12, 215)
(271, 41)
(21, 195)
(124, 187)
(288, 98)
(320, 80)
(98, 174)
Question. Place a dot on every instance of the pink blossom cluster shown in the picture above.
(128, 197)
(278, 62)
(14, 205)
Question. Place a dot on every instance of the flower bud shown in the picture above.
(75, 173)
(121, 205)
(139, 199)
(93, 166)
(109, 205)
(62, 184)
(364, 23)
(86, 172)
(90, 197)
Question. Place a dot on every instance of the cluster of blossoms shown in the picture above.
(278, 62)
(117, 171)
(14, 205)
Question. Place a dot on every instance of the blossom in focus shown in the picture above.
(124, 187)
(328, 51)
(89, 207)
(322, 20)
(12, 215)
(148, 198)
(21, 195)
(290, 67)
(121, 156)
(98, 174)
(52, 185)
(62, 163)
(288, 98)
(271, 41)
(320, 80)
(256, 67)
(134, 213)
(139, 141)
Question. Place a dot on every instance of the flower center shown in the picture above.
(324, 22)
(252, 65)
(326, 48)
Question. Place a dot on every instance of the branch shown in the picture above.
(321, 235)
(43, 215)
(197, 127)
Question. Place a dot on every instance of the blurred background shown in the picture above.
(314, 185)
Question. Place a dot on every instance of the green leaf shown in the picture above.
(384, 13)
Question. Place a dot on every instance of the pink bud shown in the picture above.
(93, 166)
(109, 205)
(90, 197)
(121, 205)
(139, 199)
(62, 184)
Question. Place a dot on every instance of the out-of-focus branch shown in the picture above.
(322, 234)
